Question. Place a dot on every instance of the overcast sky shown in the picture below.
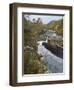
(45, 18)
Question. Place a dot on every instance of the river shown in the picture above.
(54, 63)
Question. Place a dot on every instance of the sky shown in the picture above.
(45, 18)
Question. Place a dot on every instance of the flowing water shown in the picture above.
(54, 63)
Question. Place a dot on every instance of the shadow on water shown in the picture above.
(58, 51)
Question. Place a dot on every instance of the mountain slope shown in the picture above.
(57, 26)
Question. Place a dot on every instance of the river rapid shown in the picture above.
(54, 63)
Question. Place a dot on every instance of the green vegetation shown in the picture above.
(38, 27)
(33, 64)
(57, 26)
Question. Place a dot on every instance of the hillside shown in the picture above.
(57, 26)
